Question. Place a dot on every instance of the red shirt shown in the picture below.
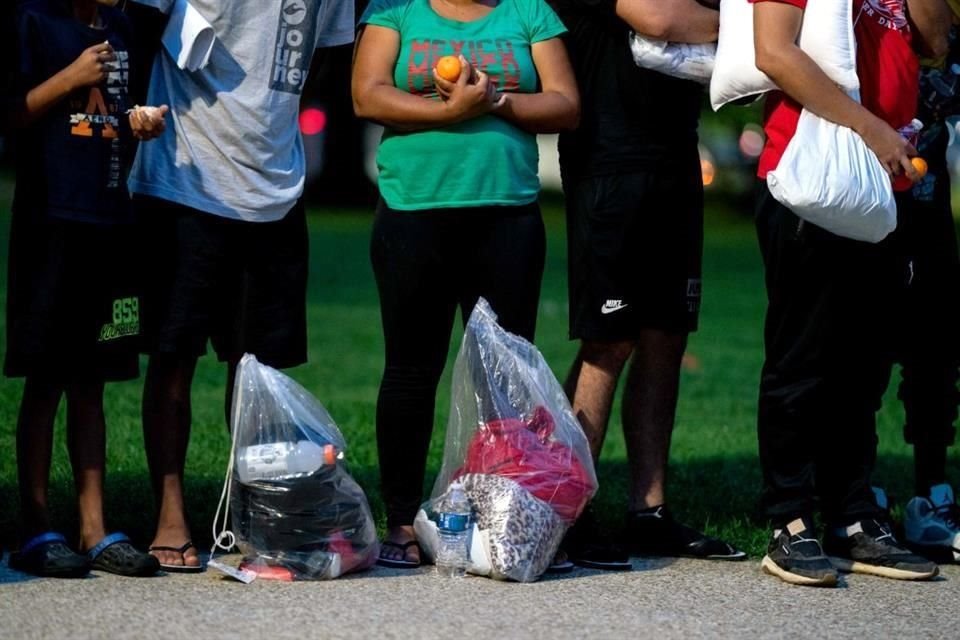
(887, 67)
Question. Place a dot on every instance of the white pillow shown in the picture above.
(829, 177)
(826, 36)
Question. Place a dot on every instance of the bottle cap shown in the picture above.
(329, 454)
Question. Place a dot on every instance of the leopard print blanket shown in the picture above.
(520, 532)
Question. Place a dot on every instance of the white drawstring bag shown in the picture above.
(686, 61)
(826, 36)
(830, 177)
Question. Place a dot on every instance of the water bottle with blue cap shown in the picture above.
(453, 527)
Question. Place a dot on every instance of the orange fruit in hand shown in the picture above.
(920, 165)
(448, 68)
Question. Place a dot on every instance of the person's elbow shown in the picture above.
(568, 118)
(769, 57)
(938, 46)
(572, 121)
(359, 108)
(362, 106)
(658, 25)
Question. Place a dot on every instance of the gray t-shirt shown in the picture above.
(232, 146)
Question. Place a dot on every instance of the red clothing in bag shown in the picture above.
(523, 452)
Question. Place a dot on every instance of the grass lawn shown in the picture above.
(714, 474)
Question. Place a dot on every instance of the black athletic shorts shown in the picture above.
(242, 285)
(73, 300)
(635, 244)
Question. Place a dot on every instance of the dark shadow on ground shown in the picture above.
(719, 495)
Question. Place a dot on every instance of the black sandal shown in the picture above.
(179, 568)
(115, 554)
(402, 563)
(561, 563)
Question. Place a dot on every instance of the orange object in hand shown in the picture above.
(448, 68)
(920, 165)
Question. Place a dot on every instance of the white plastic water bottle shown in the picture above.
(453, 528)
(282, 460)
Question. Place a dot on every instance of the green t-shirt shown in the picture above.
(482, 161)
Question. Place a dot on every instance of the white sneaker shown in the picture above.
(932, 525)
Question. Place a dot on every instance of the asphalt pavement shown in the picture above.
(658, 599)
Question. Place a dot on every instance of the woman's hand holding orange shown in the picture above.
(471, 95)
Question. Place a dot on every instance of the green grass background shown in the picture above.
(714, 474)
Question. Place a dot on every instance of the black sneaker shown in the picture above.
(654, 532)
(869, 547)
(794, 555)
(588, 545)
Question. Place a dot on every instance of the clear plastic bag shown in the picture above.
(687, 61)
(297, 514)
(515, 445)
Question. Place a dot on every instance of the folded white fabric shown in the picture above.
(826, 36)
(686, 61)
(829, 176)
(429, 538)
(189, 38)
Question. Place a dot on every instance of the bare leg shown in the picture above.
(166, 432)
(86, 441)
(38, 409)
(591, 385)
(649, 410)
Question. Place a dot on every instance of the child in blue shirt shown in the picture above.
(72, 295)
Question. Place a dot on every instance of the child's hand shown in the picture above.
(91, 67)
(148, 122)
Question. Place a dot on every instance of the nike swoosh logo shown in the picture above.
(607, 308)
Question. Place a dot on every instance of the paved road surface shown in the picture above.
(659, 599)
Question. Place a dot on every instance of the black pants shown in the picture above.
(929, 345)
(427, 264)
(828, 354)
(242, 285)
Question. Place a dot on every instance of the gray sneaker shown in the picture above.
(869, 547)
(795, 556)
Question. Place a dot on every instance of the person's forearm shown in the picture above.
(546, 112)
(794, 72)
(400, 110)
(931, 20)
(42, 98)
(685, 21)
